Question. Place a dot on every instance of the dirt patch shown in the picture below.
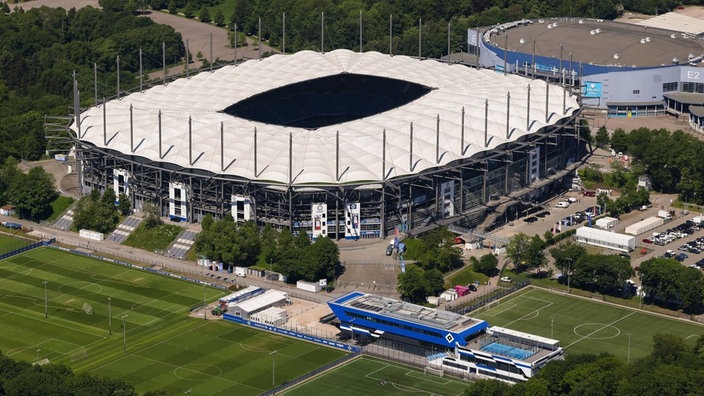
(375, 278)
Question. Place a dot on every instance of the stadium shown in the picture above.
(340, 144)
(627, 69)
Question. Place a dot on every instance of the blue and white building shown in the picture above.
(450, 341)
(627, 69)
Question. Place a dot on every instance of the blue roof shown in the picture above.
(370, 313)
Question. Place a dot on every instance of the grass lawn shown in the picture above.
(156, 238)
(583, 325)
(58, 207)
(464, 277)
(165, 349)
(365, 376)
(10, 242)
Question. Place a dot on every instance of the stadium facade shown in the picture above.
(629, 70)
(451, 342)
(339, 144)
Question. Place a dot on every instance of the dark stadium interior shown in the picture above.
(327, 100)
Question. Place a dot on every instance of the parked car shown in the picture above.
(506, 279)
(472, 287)
(562, 204)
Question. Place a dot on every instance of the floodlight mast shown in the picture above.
(124, 334)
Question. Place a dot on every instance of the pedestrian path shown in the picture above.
(123, 231)
(64, 222)
(182, 244)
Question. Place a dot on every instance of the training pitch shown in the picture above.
(159, 348)
(369, 376)
(585, 326)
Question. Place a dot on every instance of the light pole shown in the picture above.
(109, 316)
(552, 322)
(569, 272)
(46, 307)
(124, 334)
(273, 368)
(38, 350)
(628, 357)
(205, 305)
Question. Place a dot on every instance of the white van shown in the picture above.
(562, 204)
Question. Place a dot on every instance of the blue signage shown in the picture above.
(591, 89)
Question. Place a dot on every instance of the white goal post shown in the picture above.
(433, 371)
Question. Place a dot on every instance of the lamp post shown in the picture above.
(552, 322)
(46, 306)
(273, 368)
(205, 306)
(628, 356)
(569, 272)
(38, 350)
(109, 316)
(124, 334)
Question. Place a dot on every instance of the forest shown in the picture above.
(40, 49)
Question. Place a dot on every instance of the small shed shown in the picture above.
(7, 210)
(606, 223)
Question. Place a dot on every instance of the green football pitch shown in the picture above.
(160, 346)
(585, 326)
(369, 376)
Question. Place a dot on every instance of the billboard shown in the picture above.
(447, 191)
(319, 214)
(352, 222)
(591, 89)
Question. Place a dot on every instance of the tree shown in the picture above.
(32, 194)
(535, 256)
(619, 142)
(124, 205)
(517, 249)
(411, 285)
(96, 212)
(172, 7)
(660, 279)
(189, 11)
(320, 260)
(487, 264)
(204, 14)
(219, 18)
(150, 215)
(434, 281)
(604, 273)
(566, 255)
(602, 137)
(596, 378)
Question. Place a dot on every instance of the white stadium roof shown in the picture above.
(313, 152)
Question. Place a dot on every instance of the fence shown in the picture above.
(26, 248)
(310, 374)
(476, 304)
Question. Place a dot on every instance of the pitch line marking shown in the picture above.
(599, 329)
